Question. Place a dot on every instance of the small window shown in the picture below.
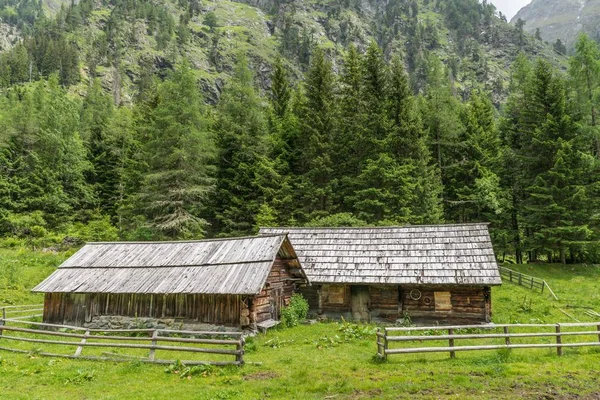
(336, 294)
(442, 301)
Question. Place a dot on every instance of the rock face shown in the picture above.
(561, 19)
(9, 36)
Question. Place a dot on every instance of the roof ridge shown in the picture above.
(191, 241)
(167, 266)
(373, 227)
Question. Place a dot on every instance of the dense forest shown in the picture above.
(362, 136)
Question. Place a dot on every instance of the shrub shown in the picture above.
(295, 312)
(98, 229)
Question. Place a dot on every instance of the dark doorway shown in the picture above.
(276, 303)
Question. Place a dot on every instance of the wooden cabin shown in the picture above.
(237, 282)
(430, 274)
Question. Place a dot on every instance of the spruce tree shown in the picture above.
(96, 115)
(280, 89)
(441, 113)
(512, 168)
(375, 93)
(240, 131)
(274, 174)
(317, 115)
(584, 70)
(561, 204)
(475, 193)
(178, 182)
(348, 150)
(407, 142)
(46, 154)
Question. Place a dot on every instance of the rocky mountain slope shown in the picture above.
(118, 43)
(561, 19)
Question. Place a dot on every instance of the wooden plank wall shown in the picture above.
(467, 302)
(278, 289)
(384, 301)
(392, 301)
(336, 298)
(74, 308)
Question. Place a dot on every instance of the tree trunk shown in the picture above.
(517, 234)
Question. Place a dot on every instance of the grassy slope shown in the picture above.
(316, 361)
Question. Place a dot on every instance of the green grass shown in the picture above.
(22, 269)
(324, 360)
(576, 286)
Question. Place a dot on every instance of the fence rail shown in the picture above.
(527, 281)
(521, 279)
(21, 312)
(388, 336)
(221, 344)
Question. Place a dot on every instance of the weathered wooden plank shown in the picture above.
(438, 254)
(83, 342)
(125, 345)
(489, 347)
(222, 266)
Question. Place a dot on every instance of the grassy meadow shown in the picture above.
(331, 360)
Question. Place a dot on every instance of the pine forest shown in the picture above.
(164, 120)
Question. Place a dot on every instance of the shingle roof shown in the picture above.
(420, 254)
(223, 266)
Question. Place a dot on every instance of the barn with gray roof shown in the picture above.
(434, 273)
(236, 282)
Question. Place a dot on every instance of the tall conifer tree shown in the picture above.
(240, 131)
(317, 115)
(178, 182)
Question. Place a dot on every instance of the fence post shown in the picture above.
(510, 275)
(379, 346)
(83, 341)
(451, 343)
(531, 283)
(507, 338)
(543, 286)
(520, 279)
(2, 322)
(558, 341)
(153, 343)
(385, 344)
(598, 328)
(240, 348)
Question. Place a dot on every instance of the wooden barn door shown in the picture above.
(360, 303)
(276, 303)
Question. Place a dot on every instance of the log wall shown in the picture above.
(390, 302)
(384, 301)
(77, 308)
(277, 292)
(221, 309)
(448, 304)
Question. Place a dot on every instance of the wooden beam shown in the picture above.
(83, 342)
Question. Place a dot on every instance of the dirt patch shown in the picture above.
(260, 376)
(366, 394)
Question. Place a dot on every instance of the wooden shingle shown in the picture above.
(459, 254)
(220, 266)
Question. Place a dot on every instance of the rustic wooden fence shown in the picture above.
(21, 312)
(142, 344)
(527, 281)
(507, 334)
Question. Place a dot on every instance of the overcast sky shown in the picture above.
(509, 7)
